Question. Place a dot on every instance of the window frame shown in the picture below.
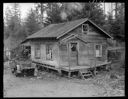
(37, 51)
(48, 48)
(76, 46)
(100, 50)
(85, 32)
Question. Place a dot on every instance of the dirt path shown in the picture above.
(50, 88)
(53, 89)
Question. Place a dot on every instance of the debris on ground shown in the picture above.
(113, 76)
(113, 82)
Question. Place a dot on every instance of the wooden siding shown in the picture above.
(86, 51)
(104, 53)
(55, 54)
(86, 54)
(92, 35)
(63, 52)
(43, 52)
(32, 51)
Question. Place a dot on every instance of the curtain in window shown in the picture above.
(37, 51)
(48, 52)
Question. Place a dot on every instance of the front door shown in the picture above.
(73, 54)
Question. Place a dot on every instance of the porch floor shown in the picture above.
(71, 68)
(77, 68)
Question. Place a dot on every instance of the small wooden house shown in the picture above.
(69, 46)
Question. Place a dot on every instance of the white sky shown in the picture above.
(25, 7)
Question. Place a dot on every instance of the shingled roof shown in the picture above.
(57, 30)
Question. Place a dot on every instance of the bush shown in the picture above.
(19, 53)
(113, 56)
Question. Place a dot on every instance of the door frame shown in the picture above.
(69, 49)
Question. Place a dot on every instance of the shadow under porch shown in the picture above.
(70, 71)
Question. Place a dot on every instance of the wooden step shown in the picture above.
(85, 73)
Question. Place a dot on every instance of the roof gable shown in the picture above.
(80, 23)
(72, 36)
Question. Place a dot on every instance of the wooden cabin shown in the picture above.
(69, 46)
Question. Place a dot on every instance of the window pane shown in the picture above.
(85, 27)
(73, 46)
(48, 52)
(97, 47)
(37, 51)
(98, 50)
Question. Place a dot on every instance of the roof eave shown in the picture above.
(24, 41)
(72, 28)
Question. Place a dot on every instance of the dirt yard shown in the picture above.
(105, 84)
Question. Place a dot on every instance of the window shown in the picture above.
(37, 52)
(98, 50)
(73, 47)
(27, 51)
(85, 28)
(48, 52)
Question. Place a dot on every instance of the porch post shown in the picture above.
(59, 70)
(94, 60)
(69, 73)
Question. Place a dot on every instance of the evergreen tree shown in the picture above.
(8, 15)
(92, 11)
(52, 13)
(6, 32)
(13, 21)
(72, 11)
(31, 23)
(116, 27)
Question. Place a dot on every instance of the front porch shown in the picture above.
(77, 68)
(70, 70)
(86, 70)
